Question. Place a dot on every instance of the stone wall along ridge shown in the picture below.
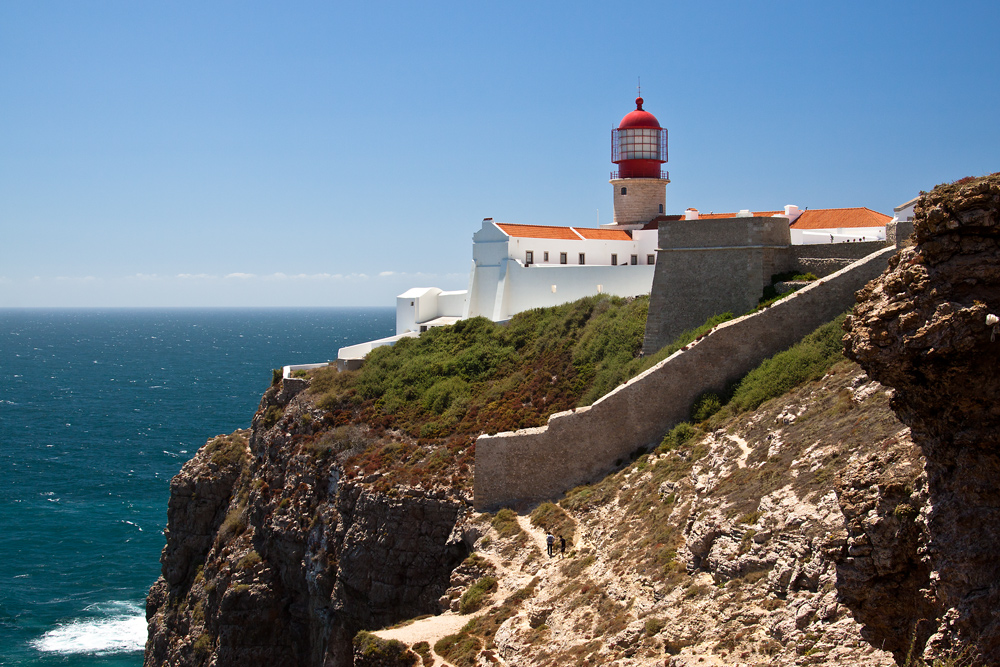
(580, 446)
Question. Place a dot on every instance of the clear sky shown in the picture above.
(334, 154)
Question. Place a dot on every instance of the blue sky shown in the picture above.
(335, 154)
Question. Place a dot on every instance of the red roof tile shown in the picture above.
(756, 214)
(538, 231)
(834, 218)
(602, 234)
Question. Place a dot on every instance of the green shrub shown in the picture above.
(272, 415)
(807, 360)
(505, 523)
(654, 625)
(705, 406)
(423, 649)
(677, 436)
(375, 650)
(477, 594)
(459, 649)
(227, 450)
(203, 646)
(249, 560)
(276, 374)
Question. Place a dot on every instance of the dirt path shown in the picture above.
(434, 628)
(744, 448)
(429, 630)
(537, 535)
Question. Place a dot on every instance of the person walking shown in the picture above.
(562, 546)
(550, 540)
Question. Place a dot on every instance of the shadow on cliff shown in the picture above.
(929, 583)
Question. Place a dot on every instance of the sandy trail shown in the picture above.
(429, 630)
(744, 448)
(434, 628)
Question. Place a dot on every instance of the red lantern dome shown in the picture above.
(639, 145)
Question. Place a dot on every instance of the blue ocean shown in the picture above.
(98, 410)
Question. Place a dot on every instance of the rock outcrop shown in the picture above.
(926, 328)
(274, 558)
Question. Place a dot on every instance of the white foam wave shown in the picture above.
(120, 627)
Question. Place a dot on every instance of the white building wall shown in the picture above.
(530, 287)
(839, 235)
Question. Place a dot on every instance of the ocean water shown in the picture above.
(98, 410)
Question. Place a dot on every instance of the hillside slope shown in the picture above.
(718, 551)
(285, 540)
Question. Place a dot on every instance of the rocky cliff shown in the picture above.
(927, 329)
(274, 557)
(720, 549)
(818, 529)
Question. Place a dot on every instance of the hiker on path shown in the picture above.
(562, 546)
(550, 540)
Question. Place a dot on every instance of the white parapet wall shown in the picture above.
(287, 371)
(359, 351)
(582, 445)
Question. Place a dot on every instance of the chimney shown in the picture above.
(792, 212)
(691, 214)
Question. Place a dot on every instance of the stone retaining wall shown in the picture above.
(581, 446)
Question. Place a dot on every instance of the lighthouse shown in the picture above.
(639, 148)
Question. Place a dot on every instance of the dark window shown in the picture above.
(582, 258)
(624, 191)
(635, 259)
(650, 259)
(661, 208)
(529, 257)
(562, 258)
(545, 256)
(614, 260)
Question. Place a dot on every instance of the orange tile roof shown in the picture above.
(538, 231)
(602, 234)
(833, 218)
(756, 214)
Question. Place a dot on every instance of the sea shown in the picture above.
(98, 410)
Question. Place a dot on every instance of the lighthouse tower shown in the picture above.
(639, 148)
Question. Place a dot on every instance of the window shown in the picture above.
(582, 258)
(614, 259)
(545, 256)
(635, 259)
(650, 259)
(411, 303)
(562, 258)
(529, 256)
(661, 208)
(624, 191)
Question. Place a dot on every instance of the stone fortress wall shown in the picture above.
(580, 446)
(707, 267)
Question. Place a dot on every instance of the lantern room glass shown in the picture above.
(639, 144)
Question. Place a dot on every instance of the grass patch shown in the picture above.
(505, 523)
(460, 649)
(423, 649)
(807, 360)
(477, 595)
(227, 450)
(554, 519)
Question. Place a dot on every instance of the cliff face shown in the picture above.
(272, 558)
(922, 328)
